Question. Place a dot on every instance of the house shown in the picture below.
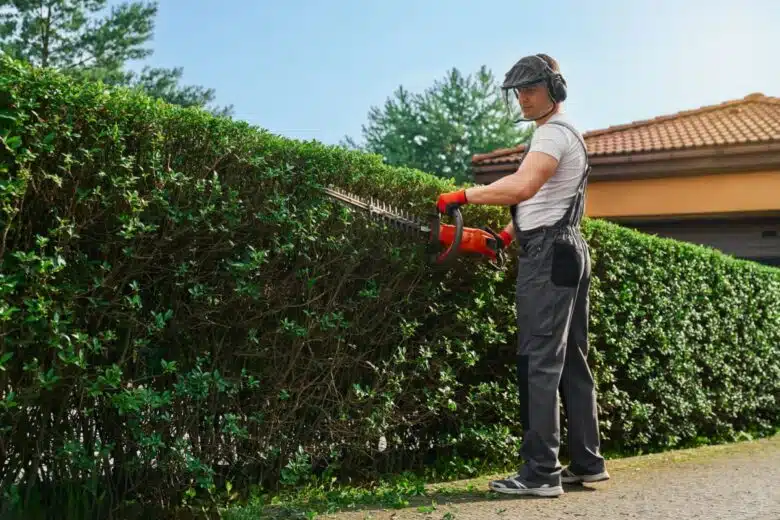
(709, 175)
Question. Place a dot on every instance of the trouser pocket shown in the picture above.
(532, 247)
(566, 262)
(544, 313)
(536, 299)
(547, 281)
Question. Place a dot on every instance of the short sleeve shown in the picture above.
(549, 139)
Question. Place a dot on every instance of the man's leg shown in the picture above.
(579, 393)
(544, 310)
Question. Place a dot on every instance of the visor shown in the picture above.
(526, 72)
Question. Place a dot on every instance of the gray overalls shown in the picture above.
(553, 279)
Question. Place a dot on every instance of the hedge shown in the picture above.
(181, 307)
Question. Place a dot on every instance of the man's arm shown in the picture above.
(539, 164)
(534, 171)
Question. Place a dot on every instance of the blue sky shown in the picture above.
(311, 69)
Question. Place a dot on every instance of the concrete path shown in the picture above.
(731, 482)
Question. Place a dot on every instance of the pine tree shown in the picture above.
(78, 37)
(440, 129)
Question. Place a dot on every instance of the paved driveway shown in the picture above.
(732, 482)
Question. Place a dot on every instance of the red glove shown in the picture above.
(448, 201)
(506, 238)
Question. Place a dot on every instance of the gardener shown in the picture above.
(546, 196)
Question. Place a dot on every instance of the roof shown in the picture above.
(754, 119)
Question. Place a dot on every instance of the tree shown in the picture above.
(440, 129)
(76, 38)
(164, 83)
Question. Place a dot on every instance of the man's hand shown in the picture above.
(447, 201)
(501, 240)
(506, 239)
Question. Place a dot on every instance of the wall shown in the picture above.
(738, 213)
(677, 196)
(753, 238)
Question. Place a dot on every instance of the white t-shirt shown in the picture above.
(554, 197)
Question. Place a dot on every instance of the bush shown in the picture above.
(181, 307)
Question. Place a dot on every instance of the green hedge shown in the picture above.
(181, 306)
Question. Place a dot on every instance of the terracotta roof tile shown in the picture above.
(752, 119)
(502, 155)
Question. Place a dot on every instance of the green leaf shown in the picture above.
(4, 359)
(13, 142)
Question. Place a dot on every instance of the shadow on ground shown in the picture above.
(638, 489)
(423, 504)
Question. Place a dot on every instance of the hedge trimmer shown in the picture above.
(452, 239)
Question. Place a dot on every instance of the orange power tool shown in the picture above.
(445, 240)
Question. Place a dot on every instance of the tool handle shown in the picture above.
(453, 238)
(474, 241)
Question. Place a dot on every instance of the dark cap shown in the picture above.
(528, 71)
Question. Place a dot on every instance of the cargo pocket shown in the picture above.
(536, 306)
(566, 263)
(544, 315)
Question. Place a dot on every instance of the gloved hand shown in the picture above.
(447, 201)
(506, 239)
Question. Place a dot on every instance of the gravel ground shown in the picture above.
(732, 482)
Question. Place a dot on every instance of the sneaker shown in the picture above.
(516, 485)
(570, 477)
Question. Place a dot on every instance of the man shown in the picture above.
(546, 196)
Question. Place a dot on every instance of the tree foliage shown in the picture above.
(78, 37)
(439, 130)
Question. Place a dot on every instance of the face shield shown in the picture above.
(529, 74)
(512, 95)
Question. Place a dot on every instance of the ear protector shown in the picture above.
(556, 84)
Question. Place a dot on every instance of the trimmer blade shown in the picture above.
(380, 211)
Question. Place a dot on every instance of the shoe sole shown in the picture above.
(553, 491)
(598, 477)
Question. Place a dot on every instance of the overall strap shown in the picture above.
(576, 210)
